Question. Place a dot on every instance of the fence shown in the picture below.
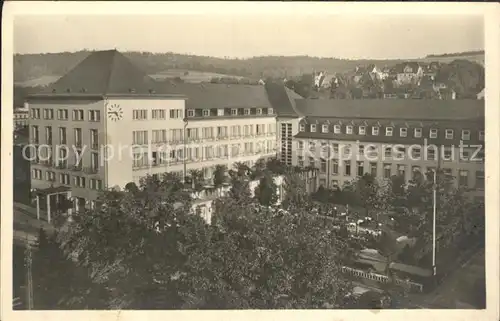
(381, 278)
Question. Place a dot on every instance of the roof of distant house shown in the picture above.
(404, 109)
(104, 72)
(399, 68)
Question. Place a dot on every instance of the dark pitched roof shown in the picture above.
(208, 95)
(282, 99)
(406, 109)
(104, 72)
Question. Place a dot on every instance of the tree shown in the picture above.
(219, 175)
(374, 196)
(265, 192)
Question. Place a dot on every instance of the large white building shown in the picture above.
(106, 124)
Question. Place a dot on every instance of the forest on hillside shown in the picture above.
(32, 66)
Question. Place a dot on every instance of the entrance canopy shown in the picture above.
(50, 190)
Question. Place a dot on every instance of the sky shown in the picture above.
(338, 36)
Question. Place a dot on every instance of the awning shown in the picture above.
(50, 190)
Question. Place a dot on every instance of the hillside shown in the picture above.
(40, 68)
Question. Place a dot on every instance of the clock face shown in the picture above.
(115, 112)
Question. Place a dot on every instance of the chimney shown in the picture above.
(151, 91)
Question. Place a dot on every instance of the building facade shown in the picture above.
(106, 124)
(21, 117)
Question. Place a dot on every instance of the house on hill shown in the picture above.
(408, 73)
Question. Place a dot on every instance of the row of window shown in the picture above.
(389, 131)
(193, 134)
(64, 179)
(63, 137)
(158, 114)
(203, 153)
(387, 170)
(63, 114)
(45, 157)
(415, 152)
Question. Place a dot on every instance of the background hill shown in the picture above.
(41, 69)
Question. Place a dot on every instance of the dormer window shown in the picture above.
(348, 129)
(206, 112)
(449, 134)
(465, 134)
(259, 111)
(433, 133)
(324, 129)
(220, 112)
(418, 132)
(481, 135)
(362, 130)
(270, 111)
(190, 113)
(247, 111)
(388, 131)
(313, 128)
(375, 131)
(302, 128)
(234, 111)
(337, 129)
(403, 132)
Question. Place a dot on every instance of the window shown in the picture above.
(373, 169)
(337, 129)
(449, 134)
(64, 179)
(433, 133)
(347, 168)
(140, 114)
(302, 127)
(206, 112)
(388, 131)
(431, 153)
(140, 160)
(192, 134)
(401, 170)
(158, 114)
(94, 115)
(300, 144)
(78, 114)
(50, 176)
(313, 128)
(62, 114)
(388, 151)
(208, 133)
(375, 131)
(324, 128)
(94, 162)
(247, 111)
(481, 135)
(415, 152)
(48, 135)
(361, 150)
(234, 111)
(222, 132)
(94, 139)
(62, 136)
(335, 183)
(335, 167)
(270, 111)
(323, 166)
(464, 155)
(48, 113)
(190, 113)
(176, 135)
(34, 135)
(362, 130)
(176, 113)
(78, 137)
(480, 179)
(36, 174)
(159, 136)
(347, 150)
(448, 154)
(417, 132)
(400, 152)
(259, 111)
(35, 113)
(300, 161)
(463, 178)
(348, 129)
(96, 184)
(312, 146)
(403, 132)
(79, 181)
(361, 168)
(140, 137)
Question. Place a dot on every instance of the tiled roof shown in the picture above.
(104, 72)
(406, 109)
(208, 95)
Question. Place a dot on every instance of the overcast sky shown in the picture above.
(382, 36)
